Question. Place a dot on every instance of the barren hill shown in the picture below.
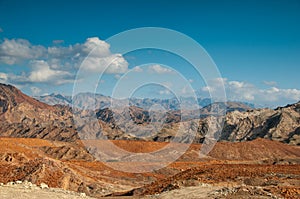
(281, 124)
(23, 116)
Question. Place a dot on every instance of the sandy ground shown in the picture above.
(21, 192)
(188, 192)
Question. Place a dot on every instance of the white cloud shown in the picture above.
(3, 77)
(1, 30)
(243, 91)
(100, 48)
(209, 89)
(43, 73)
(236, 84)
(164, 92)
(187, 91)
(17, 50)
(65, 58)
(113, 64)
(159, 69)
(276, 94)
(58, 64)
(137, 69)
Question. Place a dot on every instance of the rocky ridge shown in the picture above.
(23, 116)
(281, 124)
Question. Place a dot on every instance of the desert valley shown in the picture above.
(257, 156)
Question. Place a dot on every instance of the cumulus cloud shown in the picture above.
(159, 69)
(58, 64)
(274, 94)
(17, 50)
(93, 56)
(100, 48)
(43, 73)
(243, 91)
(113, 64)
(137, 69)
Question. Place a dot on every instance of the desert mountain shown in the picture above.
(100, 102)
(60, 160)
(54, 99)
(281, 124)
(23, 116)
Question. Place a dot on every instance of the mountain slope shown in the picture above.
(281, 124)
(23, 116)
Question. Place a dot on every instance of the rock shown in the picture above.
(10, 183)
(254, 182)
(44, 186)
(281, 124)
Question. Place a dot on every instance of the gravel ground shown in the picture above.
(27, 190)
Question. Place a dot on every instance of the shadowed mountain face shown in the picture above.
(23, 116)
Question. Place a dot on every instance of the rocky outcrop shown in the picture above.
(281, 124)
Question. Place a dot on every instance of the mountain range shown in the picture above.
(99, 101)
(23, 116)
(247, 162)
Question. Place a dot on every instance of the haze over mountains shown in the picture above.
(100, 102)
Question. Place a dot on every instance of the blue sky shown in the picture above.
(255, 44)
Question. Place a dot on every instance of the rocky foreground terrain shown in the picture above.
(258, 155)
(27, 190)
(260, 166)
